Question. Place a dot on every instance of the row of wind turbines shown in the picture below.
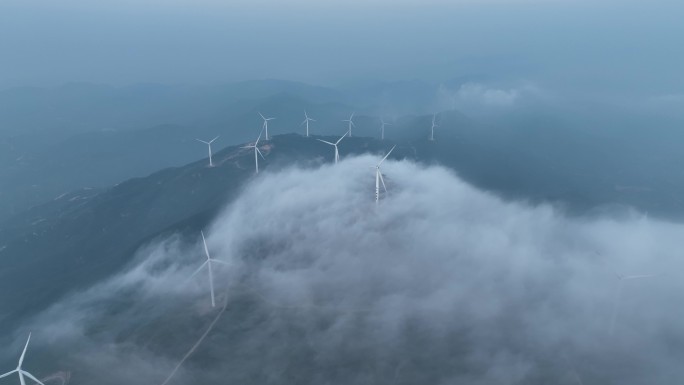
(264, 131)
(307, 119)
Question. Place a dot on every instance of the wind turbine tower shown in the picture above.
(621, 280)
(257, 152)
(379, 179)
(211, 164)
(208, 263)
(382, 128)
(432, 129)
(21, 372)
(306, 121)
(265, 125)
(337, 153)
(351, 123)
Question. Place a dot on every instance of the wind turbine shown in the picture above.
(337, 153)
(209, 145)
(21, 372)
(621, 280)
(257, 152)
(378, 177)
(432, 129)
(351, 123)
(265, 126)
(306, 121)
(382, 128)
(208, 263)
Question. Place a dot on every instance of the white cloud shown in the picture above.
(440, 282)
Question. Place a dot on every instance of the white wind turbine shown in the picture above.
(351, 123)
(208, 263)
(382, 128)
(306, 121)
(337, 153)
(21, 372)
(378, 177)
(211, 164)
(621, 279)
(265, 126)
(432, 129)
(257, 152)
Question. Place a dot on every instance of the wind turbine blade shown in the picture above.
(383, 181)
(199, 269)
(199, 140)
(313, 120)
(212, 141)
(9, 373)
(21, 377)
(262, 117)
(206, 249)
(211, 285)
(352, 123)
(340, 139)
(23, 354)
(640, 276)
(247, 147)
(390, 151)
(304, 122)
(29, 375)
(259, 137)
(325, 141)
(352, 116)
(221, 262)
(259, 151)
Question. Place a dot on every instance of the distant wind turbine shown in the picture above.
(378, 177)
(351, 123)
(257, 152)
(306, 121)
(618, 297)
(21, 372)
(432, 129)
(382, 128)
(265, 126)
(208, 263)
(211, 164)
(337, 153)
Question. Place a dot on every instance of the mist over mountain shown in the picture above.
(525, 229)
(440, 282)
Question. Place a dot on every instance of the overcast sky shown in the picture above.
(619, 45)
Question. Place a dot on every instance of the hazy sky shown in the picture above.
(621, 45)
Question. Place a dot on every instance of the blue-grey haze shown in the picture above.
(582, 46)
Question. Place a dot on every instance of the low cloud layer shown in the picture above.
(439, 283)
(478, 98)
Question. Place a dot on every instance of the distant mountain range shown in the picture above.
(54, 140)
